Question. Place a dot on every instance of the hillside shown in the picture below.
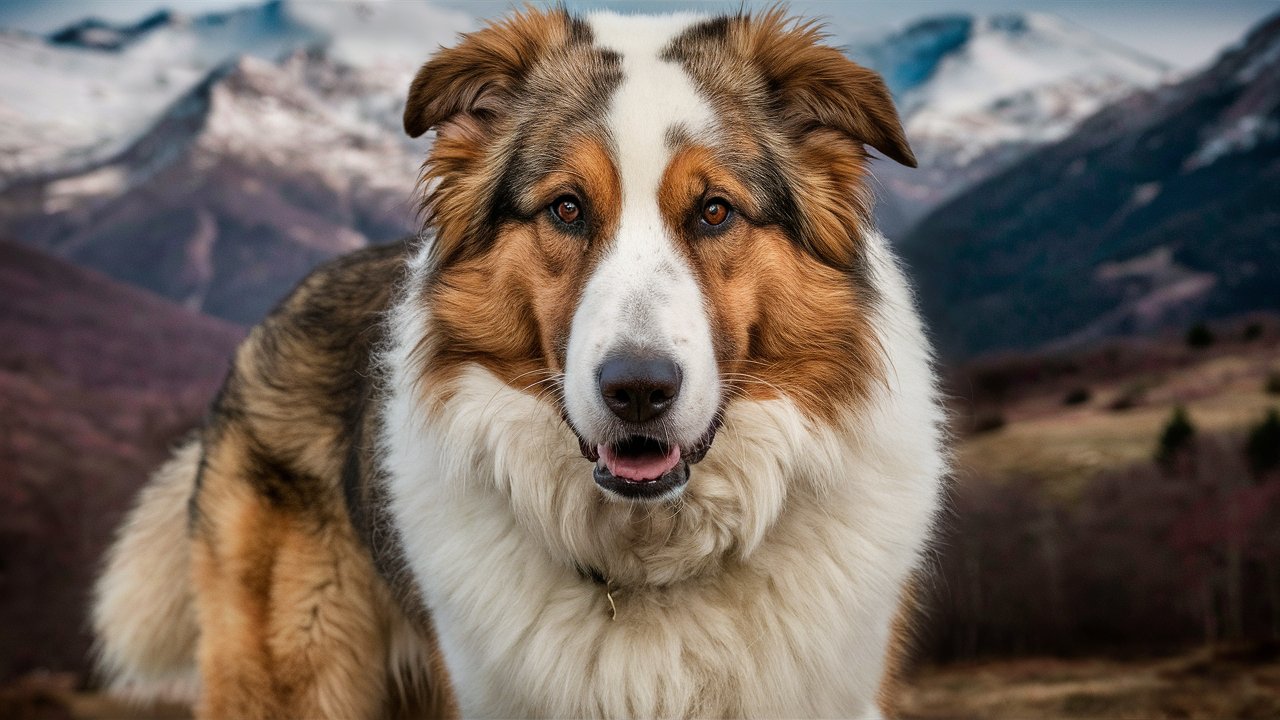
(97, 380)
(1063, 416)
(1159, 210)
(1118, 548)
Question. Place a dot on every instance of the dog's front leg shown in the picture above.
(292, 624)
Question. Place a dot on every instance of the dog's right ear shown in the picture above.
(477, 76)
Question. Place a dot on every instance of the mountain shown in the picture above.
(977, 93)
(97, 379)
(96, 34)
(83, 95)
(90, 90)
(256, 175)
(214, 159)
(265, 30)
(1157, 211)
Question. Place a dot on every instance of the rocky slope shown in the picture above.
(1157, 211)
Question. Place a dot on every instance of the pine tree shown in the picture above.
(1199, 336)
(1263, 447)
(1177, 436)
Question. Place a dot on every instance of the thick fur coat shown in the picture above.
(421, 492)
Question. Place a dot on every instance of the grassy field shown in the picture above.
(1223, 391)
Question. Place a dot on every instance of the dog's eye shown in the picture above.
(715, 212)
(566, 209)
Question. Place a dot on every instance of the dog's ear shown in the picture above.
(477, 76)
(818, 84)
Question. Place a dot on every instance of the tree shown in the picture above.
(1077, 396)
(1199, 336)
(1177, 437)
(1263, 447)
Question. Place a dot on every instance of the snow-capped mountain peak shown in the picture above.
(1006, 55)
(966, 85)
(81, 96)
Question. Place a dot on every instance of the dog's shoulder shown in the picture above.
(299, 382)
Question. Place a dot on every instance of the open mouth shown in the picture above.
(645, 468)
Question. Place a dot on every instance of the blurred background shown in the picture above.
(1094, 230)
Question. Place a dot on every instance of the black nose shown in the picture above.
(637, 389)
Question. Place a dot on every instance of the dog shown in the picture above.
(644, 423)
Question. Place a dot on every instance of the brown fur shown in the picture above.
(829, 107)
(509, 308)
(301, 595)
(902, 644)
(784, 321)
(295, 618)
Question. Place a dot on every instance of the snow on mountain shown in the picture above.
(1019, 78)
(66, 108)
(246, 182)
(395, 36)
(85, 94)
(977, 93)
(1006, 78)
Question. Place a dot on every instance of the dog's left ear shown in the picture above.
(476, 77)
(820, 85)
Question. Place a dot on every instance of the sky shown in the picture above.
(1183, 33)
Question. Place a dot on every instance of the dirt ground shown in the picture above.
(1205, 684)
(1208, 684)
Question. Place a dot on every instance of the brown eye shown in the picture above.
(715, 212)
(567, 210)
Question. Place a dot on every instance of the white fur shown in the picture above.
(642, 297)
(768, 590)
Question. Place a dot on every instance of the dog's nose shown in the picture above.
(637, 389)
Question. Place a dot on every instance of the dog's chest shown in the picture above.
(546, 642)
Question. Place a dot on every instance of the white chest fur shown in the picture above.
(807, 534)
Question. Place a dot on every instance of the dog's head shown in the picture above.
(645, 221)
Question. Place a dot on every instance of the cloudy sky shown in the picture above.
(1184, 33)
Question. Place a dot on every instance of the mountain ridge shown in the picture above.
(1154, 212)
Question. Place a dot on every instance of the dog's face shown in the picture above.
(643, 221)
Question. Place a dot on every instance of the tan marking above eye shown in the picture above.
(567, 210)
(715, 211)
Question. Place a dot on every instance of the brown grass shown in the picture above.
(1220, 683)
(1067, 445)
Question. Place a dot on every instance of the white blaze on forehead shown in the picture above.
(656, 95)
(643, 296)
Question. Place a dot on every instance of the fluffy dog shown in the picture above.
(644, 424)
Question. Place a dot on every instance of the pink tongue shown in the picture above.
(640, 469)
